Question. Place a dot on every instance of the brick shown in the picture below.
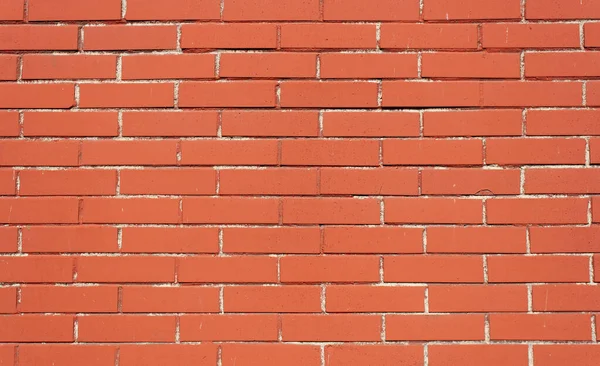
(591, 34)
(268, 65)
(125, 269)
(549, 298)
(17, 37)
(229, 36)
(530, 151)
(562, 64)
(531, 94)
(536, 36)
(353, 152)
(130, 210)
(165, 10)
(260, 10)
(477, 298)
(430, 94)
(270, 354)
(441, 210)
(562, 181)
(48, 67)
(248, 327)
(284, 240)
(455, 327)
(227, 94)
(368, 65)
(330, 211)
(128, 152)
(70, 182)
(593, 94)
(566, 122)
(45, 10)
(37, 95)
(36, 328)
(370, 124)
(280, 299)
(461, 181)
(378, 10)
(178, 181)
(433, 268)
(169, 240)
(513, 268)
(381, 181)
(39, 210)
(232, 269)
(561, 9)
(269, 123)
(230, 210)
(8, 67)
(126, 95)
(69, 239)
(39, 153)
(537, 211)
(229, 152)
(9, 124)
(564, 239)
(382, 355)
(374, 299)
(594, 150)
(328, 36)
(184, 66)
(64, 354)
(471, 65)
(270, 181)
(126, 328)
(122, 37)
(397, 240)
(160, 354)
(334, 94)
(52, 299)
(332, 268)
(547, 327)
(471, 10)
(8, 302)
(552, 355)
(169, 123)
(8, 179)
(477, 354)
(71, 124)
(12, 10)
(429, 36)
(326, 328)
(147, 299)
(456, 239)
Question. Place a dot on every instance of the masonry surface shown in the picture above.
(299, 182)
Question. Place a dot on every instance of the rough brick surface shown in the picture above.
(299, 182)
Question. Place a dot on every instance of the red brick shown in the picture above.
(36, 210)
(330, 211)
(17, 37)
(477, 298)
(562, 181)
(381, 181)
(247, 327)
(441, 210)
(331, 268)
(595, 151)
(122, 37)
(126, 328)
(430, 94)
(48, 67)
(227, 94)
(517, 36)
(69, 239)
(271, 181)
(229, 152)
(53, 299)
(591, 34)
(71, 124)
(381, 355)
(36, 328)
(12, 10)
(8, 67)
(378, 10)
(166, 10)
(170, 123)
(37, 95)
(71, 182)
(287, 240)
(513, 268)
(45, 10)
(372, 240)
(475, 355)
(562, 64)
(334, 94)
(270, 354)
(260, 10)
(125, 269)
(548, 298)
(130, 211)
(66, 354)
(185, 66)
(506, 122)
(161, 354)
(562, 9)
(429, 36)
(270, 299)
(564, 239)
(531, 94)
(374, 299)
(230, 210)
(370, 124)
(470, 181)
(353, 152)
(8, 302)
(270, 123)
(128, 152)
(537, 211)
(433, 268)
(36, 269)
(457, 239)
(268, 65)
(546, 327)
(126, 95)
(326, 328)
(575, 354)
(9, 123)
(471, 65)
(232, 269)
(368, 65)
(565, 122)
(463, 327)
(147, 299)
(179, 181)
(471, 9)
(228, 36)
(8, 181)
(593, 94)
(170, 240)
(328, 36)
(521, 151)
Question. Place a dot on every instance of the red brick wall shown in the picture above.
(299, 182)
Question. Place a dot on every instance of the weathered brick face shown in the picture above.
(299, 182)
